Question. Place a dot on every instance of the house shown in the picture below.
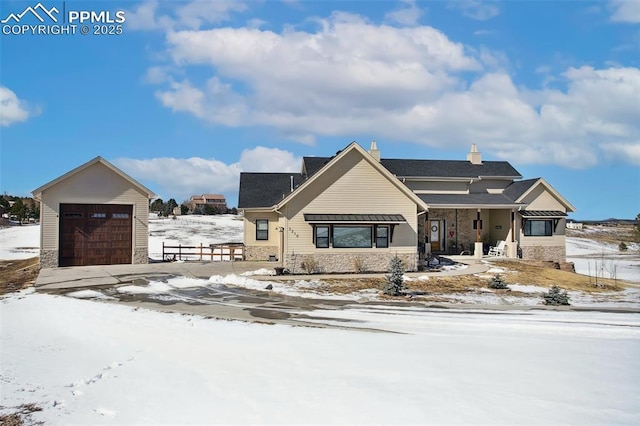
(198, 202)
(356, 210)
(93, 215)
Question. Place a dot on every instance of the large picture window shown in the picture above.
(322, 236)
(382, 236)
(538, 228)
(262, 229)
(352, 236)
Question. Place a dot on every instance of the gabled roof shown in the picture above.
(537, 182)
(265, 189)
(429, 168)
(518, 188)
(353, 146)
(36, 192)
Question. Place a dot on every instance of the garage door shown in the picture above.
(95, 234)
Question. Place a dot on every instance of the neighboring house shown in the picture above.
(93, 215)
(200, 201)
(354, 211)
(575, 225)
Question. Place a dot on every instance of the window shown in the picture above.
(98, 215)
(352, 236)
(262, 229)
(538, 228)
(382, 236)
(72, 215)
(322, 236)
(120, 215)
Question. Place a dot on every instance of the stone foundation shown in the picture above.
(546, 253)
(140, 255)
(346, 263)
(48, 258)
(260, 252)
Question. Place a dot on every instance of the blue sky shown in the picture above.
(192, 93)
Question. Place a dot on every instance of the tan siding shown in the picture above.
(249, 237)
(94, 185)
(541, 199)
(351, 186)
(438, 187)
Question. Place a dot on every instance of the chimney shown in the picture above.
(291, 179)
(374, 151)
(474, 157)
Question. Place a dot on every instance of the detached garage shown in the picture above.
(93, 215)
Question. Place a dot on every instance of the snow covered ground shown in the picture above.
(97, 362)
(592, 257)
(89, 362)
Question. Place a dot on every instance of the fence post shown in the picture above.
(180, 251)
(163, 251)
(200, 252)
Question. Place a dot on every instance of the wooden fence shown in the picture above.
(219, 252)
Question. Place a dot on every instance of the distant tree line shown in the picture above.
(166, 209)
(19, 208)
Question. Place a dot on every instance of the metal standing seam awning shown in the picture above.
(354, 218)
(542, 214)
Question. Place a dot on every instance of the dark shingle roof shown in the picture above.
(433, 200)
(449, 168)
(516, 189)
(430, 168)
(265, 189)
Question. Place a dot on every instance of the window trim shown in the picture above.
(386, 237)
(262, 234)
(317, 238)
(548, 228)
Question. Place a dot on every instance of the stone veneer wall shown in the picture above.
(348, 263)
(140, 255)
(260, 252)
(465, 233)
(48, 258)
(547, 253)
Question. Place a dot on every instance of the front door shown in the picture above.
(434, 235)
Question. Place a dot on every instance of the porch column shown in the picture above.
(477, 251)
(512, 246)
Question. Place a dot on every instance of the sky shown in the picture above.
(183, 96)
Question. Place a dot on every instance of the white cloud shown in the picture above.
(408, 15)
(625, 11)
(476, 9)
(631, 151)
(352, 77)
(191, 15)
(200, 175)
(13, 109)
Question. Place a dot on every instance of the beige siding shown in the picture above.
(352, 186)
(442, 187)
(541, 199)
(94, 185)
(249, 237)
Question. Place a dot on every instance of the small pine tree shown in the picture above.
(556, 297)
(498, 283)
(394, 284)
(622, 246)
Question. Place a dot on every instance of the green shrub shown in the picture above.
(498, 283)
(622, 246)
(556, 297)
(394, 284)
